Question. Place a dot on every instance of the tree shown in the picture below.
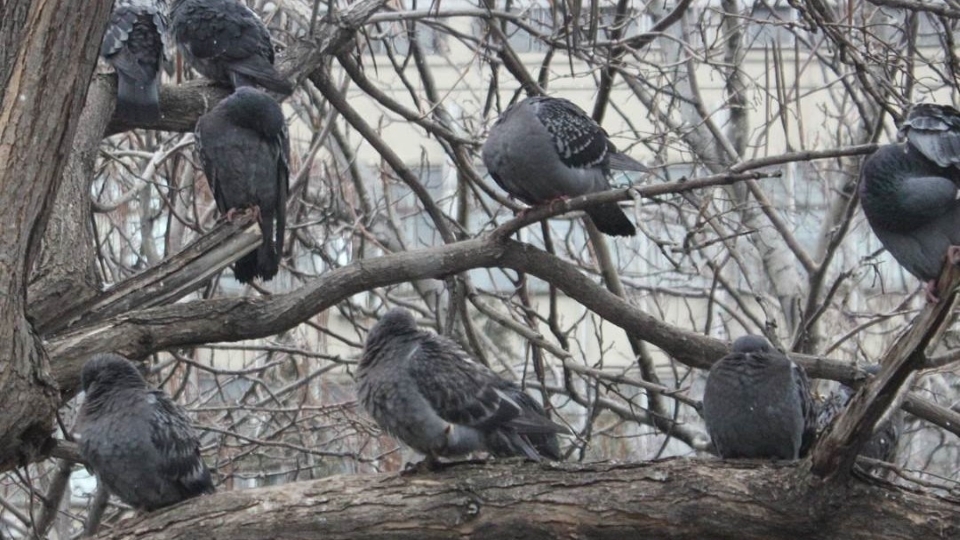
(751, 225)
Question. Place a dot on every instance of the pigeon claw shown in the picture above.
(426, 465)
(231, 215)
(930, 290)
(234, 213)
(559, 200)
(953, 255)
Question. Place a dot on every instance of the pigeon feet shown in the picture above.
(432, 464)
(426, 465)
(233, 213)
(953, 255)
(930, 291)
(557, 200)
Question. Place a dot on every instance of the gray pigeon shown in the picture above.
(226, 42)
(757, 403)
(245, 151)
(545, 148)
(136, 439)
(909, 193)
(133, 44)
(425, 390)
(882, 445)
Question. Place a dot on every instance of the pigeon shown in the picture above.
(545, 148)
(882, 445)
(909, 193)
(133, 44)
(245, 152)
(425, 390)
(757, 403)
(136, 439)
(226, 42)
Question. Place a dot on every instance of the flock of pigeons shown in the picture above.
(242, 142)
(423, 388)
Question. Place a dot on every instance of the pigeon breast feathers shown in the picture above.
(757, 404)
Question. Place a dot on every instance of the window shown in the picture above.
(545, 22)
(770, 23)
(396, 36)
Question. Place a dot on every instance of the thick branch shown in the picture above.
(139, 333)
(142, 332)
(168, 281)
(675, 499)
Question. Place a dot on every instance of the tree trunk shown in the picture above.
(48, 53)
(676, 499)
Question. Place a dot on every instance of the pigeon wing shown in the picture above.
(282, 144)
(459, 390)
(934, 130)
(230, 33)
(807, 407)
(579, 141)
(178, 447)
(118, 31)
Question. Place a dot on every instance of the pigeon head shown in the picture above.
(395, 322)
(254, 109)
(751, 343)
(109, 370)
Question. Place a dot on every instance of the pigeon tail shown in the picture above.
(257, 71)
(197, 482)
(268, 254)
(623, 162)
(245, 269)
(264, 262)
(610, 219)
(138, 102)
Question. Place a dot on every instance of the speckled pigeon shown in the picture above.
(425, 390)
(882, 445)
(909, 193)
(134, 45)
(545, 148)
(245, 151)
(136, 439)
(757, 403)
(226, 42)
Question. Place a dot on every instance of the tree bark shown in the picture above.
(49, 51)
(672, 499)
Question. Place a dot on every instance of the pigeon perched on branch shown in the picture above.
(757, 403)
(245, 151)
(425, 390)
(226, 42)
(545, 148)
(909, 193)
(133, 44)
(136, 439)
